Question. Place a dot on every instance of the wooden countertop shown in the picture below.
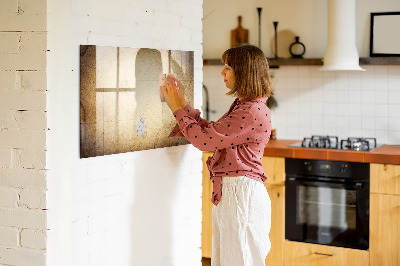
(389, 154)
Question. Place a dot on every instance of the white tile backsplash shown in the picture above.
(342, 103)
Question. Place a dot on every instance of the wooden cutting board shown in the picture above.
(239, 35)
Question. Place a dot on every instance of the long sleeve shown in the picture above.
(193, 113)
(229, 131)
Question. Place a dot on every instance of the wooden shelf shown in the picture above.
(274, 63)
(380, 61)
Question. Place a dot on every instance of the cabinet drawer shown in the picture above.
(304, 254)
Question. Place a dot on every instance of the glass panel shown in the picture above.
(328, 207)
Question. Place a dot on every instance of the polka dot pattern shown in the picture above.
(238, 139)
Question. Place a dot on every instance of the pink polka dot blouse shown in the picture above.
(238, 139)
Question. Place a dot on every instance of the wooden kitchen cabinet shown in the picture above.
(206, 225)
(274, 168)
(384, 236)
(385, 215)
(277, 233)
(385, 178)
(305, 254)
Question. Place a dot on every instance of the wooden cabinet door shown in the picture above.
(385, 178)
(277, 233)
(206, 226)
(274, 168)
(384, 237)
(304, 254)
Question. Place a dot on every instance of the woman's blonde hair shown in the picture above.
(250, 66)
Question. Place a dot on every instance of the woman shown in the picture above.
(242, 208)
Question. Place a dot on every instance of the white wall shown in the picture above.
(23, 133)
(311, 102)
(306, 19)
(138, 208)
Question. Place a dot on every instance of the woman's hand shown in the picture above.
(173, 97)
(181, 93)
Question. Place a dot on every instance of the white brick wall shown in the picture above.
(138, 208)
(22, 132)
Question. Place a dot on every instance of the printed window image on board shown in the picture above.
(121, 104)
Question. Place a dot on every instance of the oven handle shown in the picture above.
(357, 185)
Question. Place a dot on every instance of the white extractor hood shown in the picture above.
(341, 51)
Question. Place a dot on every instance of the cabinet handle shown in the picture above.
(324, 254)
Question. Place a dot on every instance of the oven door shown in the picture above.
(327, 213)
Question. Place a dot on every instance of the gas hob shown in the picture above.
(332, 142)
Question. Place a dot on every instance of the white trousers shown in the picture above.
(241, 223)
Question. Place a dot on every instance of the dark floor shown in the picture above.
(206, 261)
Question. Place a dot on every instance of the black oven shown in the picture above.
(327, 202)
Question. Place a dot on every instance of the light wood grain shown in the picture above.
(277, 233)
(304, 254)
(384, 230)
(274, 168)
(385, 178)
(206, 233)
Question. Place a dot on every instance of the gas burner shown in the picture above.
(358, 144)
(327, 142)
(332, 142)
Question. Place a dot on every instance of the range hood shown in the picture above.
(341, 51)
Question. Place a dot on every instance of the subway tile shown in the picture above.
(381, 123)
(394, 71)
(367, 110)
(316, 72)
(394, 83)
(329, 122)
(394, 123)
(342, 109)
(381, 110)
(342, 96)
(394, 137)
(317, 107)
(355, 122)
(342, 121)
(292, 82)
(367, 133)
(304, 72)
(355, 109)
(367, 122)
(354, 82)
(381, 97)
(329, 94)
(382, 136)
(380, 84)
(355, 132)
(367, 96)
(329, 109)
(394, 97)
(394, 110)
(380, 71)
(291, 71)
(303, 82)
(355, 96)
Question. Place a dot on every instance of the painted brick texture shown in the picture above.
(137, 208)
(23, 218)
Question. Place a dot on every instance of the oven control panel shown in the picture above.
(337, 169)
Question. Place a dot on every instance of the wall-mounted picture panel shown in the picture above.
(121, 107)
